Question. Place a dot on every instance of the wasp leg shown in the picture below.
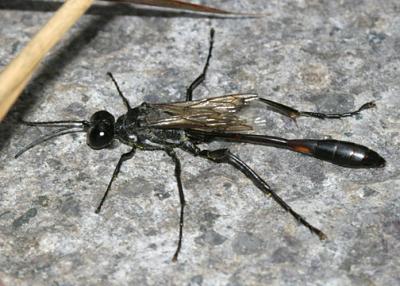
(201, 78)
(123, 158)
(124, 99)
(294, 113)
(177, 162)
(182, 201)
(225, 156)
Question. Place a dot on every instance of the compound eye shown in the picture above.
(101, 130)
(104, 116)
(100, 135)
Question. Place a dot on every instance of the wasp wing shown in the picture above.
(211, 114)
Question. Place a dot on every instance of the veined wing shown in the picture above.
(210, 114)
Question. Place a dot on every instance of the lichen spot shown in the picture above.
(315, 76)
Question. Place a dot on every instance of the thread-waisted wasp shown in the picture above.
(186, 124)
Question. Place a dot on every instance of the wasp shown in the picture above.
(186, 124)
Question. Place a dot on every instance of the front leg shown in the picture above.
(123, 158)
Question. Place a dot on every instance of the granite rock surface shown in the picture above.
(315, 55)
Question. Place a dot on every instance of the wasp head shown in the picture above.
(100, 131)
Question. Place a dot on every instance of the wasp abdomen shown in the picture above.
(346, 154)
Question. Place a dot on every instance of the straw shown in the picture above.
(18, 73)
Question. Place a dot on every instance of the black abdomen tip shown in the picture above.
(373, 160)
(342, 153)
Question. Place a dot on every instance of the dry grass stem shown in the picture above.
(17, 74)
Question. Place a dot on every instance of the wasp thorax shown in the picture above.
(101, 131)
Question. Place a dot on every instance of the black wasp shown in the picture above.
(184, 125)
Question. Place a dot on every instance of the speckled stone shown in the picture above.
(315, 55)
